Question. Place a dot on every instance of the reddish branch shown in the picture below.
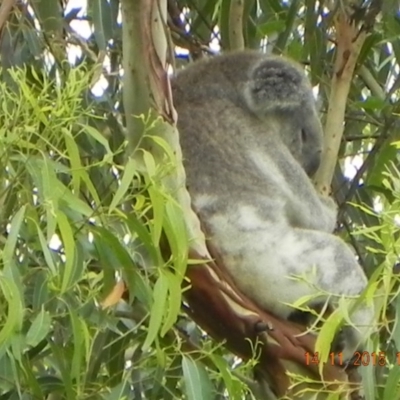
(223, 312)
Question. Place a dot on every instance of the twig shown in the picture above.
(371, 82)
(353, 138)
(349, 42)
(236, 40)
(366, 164)
(5, 9)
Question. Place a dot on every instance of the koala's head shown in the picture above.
(277, 90)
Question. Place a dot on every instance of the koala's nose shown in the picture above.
(312, 163)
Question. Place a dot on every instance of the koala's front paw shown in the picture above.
(344, 347)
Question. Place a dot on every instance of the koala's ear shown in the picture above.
(277, 84)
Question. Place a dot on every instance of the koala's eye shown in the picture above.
(303, 136)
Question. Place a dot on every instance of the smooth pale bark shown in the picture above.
(236, 40)
(349, 41)
(147, 92)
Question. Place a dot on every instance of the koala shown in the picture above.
(251, 140)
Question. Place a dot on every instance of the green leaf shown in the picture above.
(138, 227)
(326, 336)
(46, 252)
(18, 344)
(224, 368)
(175, 229)
(368, 374)
(41, 292)
(7, 371)
(396, 328)
(392, 390)
(62, 361)
(234, 385)
(150, 164)
(157, 201)
(14, 318)
(158, 310)
(283, 37)
(49, 15)
(174, 300)
(164, 146)
(74, 159)
(197, 383)
(69, 250)
(126, 181)
(271, 27)
(80, 342)
(9, 248)
(101, 15)
(371, 103)
(96, 135)
(39, 328)
(120, 392)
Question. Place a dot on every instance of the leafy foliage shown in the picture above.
(78, 217)
(75, 222)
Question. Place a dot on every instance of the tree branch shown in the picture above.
(349, 39)
(236, 40)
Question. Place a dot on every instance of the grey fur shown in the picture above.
(251, 137)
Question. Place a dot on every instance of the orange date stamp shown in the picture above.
(360, 358)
